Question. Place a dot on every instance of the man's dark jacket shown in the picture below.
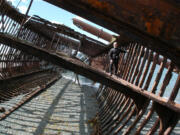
(114, 53)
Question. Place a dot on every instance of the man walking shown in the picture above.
(114, 57)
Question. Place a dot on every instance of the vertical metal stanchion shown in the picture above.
(22, 23)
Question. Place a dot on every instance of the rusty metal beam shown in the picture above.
(25, 17)
(156, 23)
(87, 44)
(43, 81)
(89, 72)
(11, 11)
(5, 81)
(47, 29)
(60, 29)
(93, 30)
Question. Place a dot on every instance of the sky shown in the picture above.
(55, 15)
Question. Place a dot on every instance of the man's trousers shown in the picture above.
(115, 65)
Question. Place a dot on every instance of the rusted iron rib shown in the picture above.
(43, 83)
(93, 30)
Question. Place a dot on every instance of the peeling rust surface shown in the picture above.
(156, 23)
(129, 101)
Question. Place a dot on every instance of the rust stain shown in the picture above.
(152, 22)
(102, 5)
(154, 27)
(170, 29)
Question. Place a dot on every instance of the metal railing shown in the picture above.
(156, 81)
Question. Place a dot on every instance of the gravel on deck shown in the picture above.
(62, 109)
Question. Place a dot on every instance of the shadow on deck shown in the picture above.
(63, 108)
